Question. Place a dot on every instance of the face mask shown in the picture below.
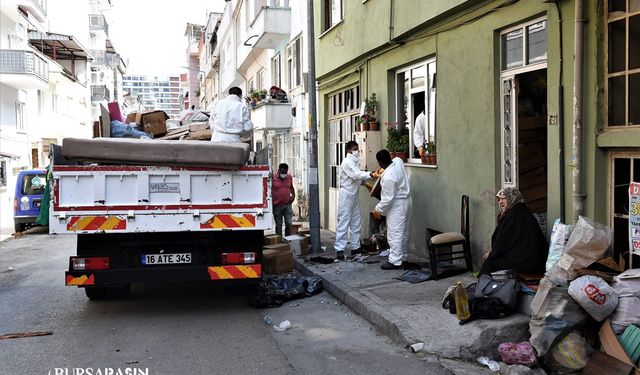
(283, 175)
(355, 153)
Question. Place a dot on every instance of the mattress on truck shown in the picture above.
(157, 152)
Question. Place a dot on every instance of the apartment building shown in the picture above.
(154, 92)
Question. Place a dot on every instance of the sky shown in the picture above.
(150, 33)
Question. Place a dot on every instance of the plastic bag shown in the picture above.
(587, 244)
(518, 354)
(553, 314)
(571, 354)
(594, 295)
(121, 130)
(559, 236)
(627, 286)
(275, 291)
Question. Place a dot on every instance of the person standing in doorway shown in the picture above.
(283, 195)
(348, 226)
(230, 118)
(395, 203)
(420, 133)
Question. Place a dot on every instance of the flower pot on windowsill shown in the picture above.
(432, 159)
(373, 126)
(364, 126)
(402, 155)
(424, 158)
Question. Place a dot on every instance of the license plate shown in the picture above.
(166, 258)
(24, 207)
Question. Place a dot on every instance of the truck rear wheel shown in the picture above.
(107, 292)
(19, 227)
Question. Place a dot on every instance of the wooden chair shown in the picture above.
(446, 241)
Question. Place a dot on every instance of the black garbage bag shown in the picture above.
(275, 291)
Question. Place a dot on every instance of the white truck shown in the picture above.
(139, 222)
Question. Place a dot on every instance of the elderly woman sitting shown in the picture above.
(517, 242)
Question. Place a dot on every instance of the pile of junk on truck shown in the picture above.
(167, 210)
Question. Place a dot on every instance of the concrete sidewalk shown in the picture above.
(410, 313)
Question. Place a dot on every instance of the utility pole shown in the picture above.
(312, 172)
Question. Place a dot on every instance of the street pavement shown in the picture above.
(178, 328)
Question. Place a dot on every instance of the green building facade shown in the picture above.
(495, 82)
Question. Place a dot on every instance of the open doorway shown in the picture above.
(532, 139)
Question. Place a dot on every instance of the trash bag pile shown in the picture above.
(275, 291)
(583, 302)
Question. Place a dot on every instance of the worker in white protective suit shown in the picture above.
(395, 204)
(351, 177)
(229, 118)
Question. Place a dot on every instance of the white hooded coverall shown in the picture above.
(229, 118)
(419, 131)
(351, 178)
(395, 204)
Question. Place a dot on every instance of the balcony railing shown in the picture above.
(98, 22)
(100, 93)
(23, 62)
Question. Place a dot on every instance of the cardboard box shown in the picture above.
(278, 247)
(153, 122)
(304, 231)
(197, 126)
(611, 345)
(131, 117)
(275, 261)
(299, 244)
(272, 239)
(295, 228)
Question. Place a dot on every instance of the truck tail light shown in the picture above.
(93, 263)
(238, 258)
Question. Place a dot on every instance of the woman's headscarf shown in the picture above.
(513, 197)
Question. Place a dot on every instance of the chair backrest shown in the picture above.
(464, 217)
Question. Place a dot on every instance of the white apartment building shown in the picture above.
(210, 62)
(195, 45)
(154, 92)
(262, 44)
(44, 88)
(107, 67)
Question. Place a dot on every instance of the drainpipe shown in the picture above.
(578, 48)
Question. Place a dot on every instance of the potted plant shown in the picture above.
(403, 144)
(431, 153)
(361, 124)
(392, 140)
(424, 158)
(371, 109)
(262, 94)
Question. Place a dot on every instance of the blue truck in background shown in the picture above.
(28, 197)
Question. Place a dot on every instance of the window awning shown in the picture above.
(59, 46)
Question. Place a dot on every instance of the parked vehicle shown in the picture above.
(28, 197)
(153, 224)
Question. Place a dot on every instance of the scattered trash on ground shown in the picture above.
(493, 365)
(283, 326)
(384, 253)
(131, 362)
(359, 258)
(294, 305)
(275, 291)
(414, 277)
(518, 354)
(418, 346)
(268, 320)
(24, 334)
(11, 269)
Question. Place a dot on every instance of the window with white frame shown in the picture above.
(623, 63)
(294, 63)
(524, 45)
(343, 111)
(20, 117)
(261, 84)
(276, 71)
(416, 107)
(331, 13)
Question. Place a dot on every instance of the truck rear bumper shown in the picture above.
(232, 273)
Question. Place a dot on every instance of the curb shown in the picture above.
(387, 323)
